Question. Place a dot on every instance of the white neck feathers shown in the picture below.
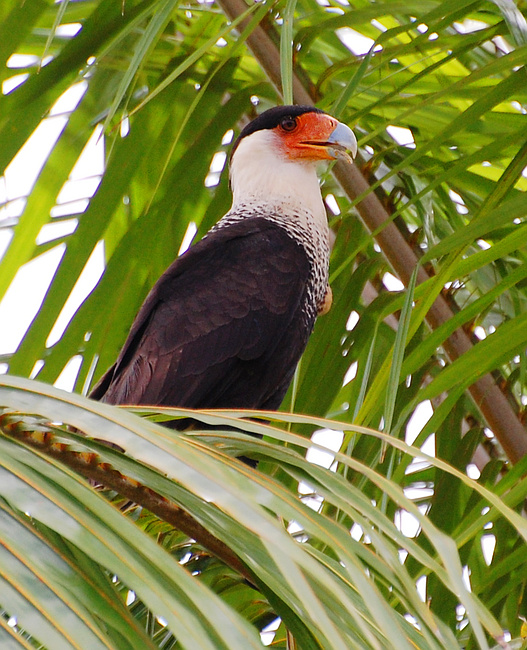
(261, 173)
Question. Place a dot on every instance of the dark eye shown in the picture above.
(288, 124)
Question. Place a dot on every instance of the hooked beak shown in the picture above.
(342, 140)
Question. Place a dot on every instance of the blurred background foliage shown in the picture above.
(116, 120)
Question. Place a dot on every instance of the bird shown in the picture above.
(227, 322)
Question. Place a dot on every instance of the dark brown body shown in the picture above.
(224, 327)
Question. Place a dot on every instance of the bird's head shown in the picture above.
(281, 148)
(300, 133)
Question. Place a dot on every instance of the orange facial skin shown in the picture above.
(307, 136)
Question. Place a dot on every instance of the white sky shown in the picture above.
(24, 296)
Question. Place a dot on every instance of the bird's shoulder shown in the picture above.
(253, 257)
(239, 240)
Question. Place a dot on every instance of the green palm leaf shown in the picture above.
(212, 553)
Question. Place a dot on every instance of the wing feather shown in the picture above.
(223, 327)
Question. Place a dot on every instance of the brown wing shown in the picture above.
(223, 327)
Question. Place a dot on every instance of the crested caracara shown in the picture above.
(226, 324)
